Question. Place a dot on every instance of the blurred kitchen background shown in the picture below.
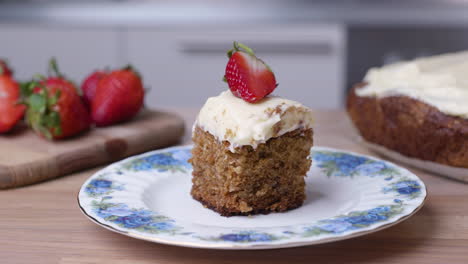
(317, 49)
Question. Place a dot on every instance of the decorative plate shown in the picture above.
(348, 195)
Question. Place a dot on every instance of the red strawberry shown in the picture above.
(10, 111)
(119, 97)
(90, 84)
(248, 77)
(4, 69)
(55, 109)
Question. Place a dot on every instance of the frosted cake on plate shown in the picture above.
(250, 155)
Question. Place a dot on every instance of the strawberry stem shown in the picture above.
(53, 68)
(242, 47)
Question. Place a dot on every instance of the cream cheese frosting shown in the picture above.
(240, 123)
(440, 81)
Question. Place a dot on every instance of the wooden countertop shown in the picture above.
(43, 224)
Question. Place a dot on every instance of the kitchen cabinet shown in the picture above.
(184, 66)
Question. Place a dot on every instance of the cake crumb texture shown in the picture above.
(269, 178)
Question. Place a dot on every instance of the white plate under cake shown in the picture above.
(348, 194)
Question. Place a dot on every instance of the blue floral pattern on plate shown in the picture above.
(101, 186)
(142, 220)
(244, 237)
(354, 220)
(167, 161)
(101, 198)
(405, 187)
(343, 164)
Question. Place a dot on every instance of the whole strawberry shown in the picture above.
(248, 77)
(10, 111)
(119, 97)
(89, 86)
(55, 109)
(4, 69)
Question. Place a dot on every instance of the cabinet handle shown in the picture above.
(299, 48)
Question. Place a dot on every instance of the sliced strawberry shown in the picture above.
(10, 111)
(55, 109)
(248, 77)
(119, 97)
(4, 69)
(90, 84)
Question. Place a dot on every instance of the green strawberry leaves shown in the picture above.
(38, 103)
(40, 114)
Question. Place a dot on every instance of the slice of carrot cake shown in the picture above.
(251, 151)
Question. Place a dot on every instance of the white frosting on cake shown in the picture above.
(441, 81)
(240, 123)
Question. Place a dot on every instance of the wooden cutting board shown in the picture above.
(25, 158)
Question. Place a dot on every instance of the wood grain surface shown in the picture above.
(26, 158)
(42, 224)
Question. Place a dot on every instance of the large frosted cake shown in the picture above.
(417, 108)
